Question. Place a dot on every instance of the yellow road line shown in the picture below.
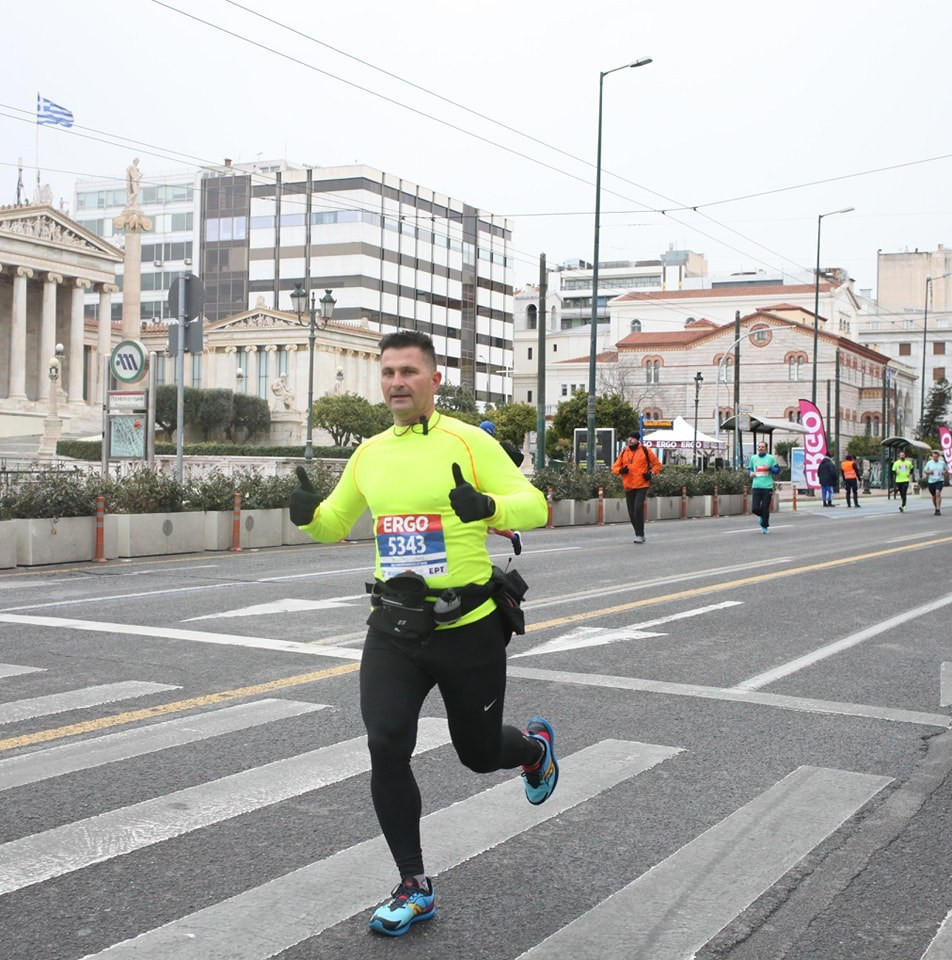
(179, 706)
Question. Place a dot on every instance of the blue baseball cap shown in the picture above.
(489, 427)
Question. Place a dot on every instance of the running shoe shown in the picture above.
(541, 779)
(516, 542)
(409, 903)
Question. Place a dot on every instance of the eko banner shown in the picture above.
(814, 442)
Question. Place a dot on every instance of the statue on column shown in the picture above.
(133, 180)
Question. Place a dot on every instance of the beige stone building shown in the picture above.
(655, 372)
(48, 263)
(264, 352)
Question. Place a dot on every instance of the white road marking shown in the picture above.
(808, 660)
(175, 633)
(675, 908)
(288, 605)
(945, 684)
(800, 704)
(271, 918)
(153, 572)
(62, 850)
(125, 596)
(12, 670)
(583, 637)
(78, 699)
(86, 754)
(941, 946)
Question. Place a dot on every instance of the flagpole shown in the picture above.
(37, 150)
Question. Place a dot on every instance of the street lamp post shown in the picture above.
(925, 327)
(698, 380)
(593, 348)
(299, 297)
(816, 292)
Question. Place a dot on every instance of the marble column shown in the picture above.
(47, 333)
(76, 357)
(133, 221)
(17, 389)
(104, 342)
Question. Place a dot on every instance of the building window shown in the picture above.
(795, 367)
(282, 370)
(938, 373)
(528, 396)
(555, 348)
(196, 370)
(636, 326)
(938, 348)
(727, 370)
(652, 371)
(905, 349)
(531, 317)
(529, 357)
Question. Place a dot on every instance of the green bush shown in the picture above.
(571, 482)
(91, 450)
(147, 491)
(51, 494)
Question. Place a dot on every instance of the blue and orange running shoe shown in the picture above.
(409, 903)
(541, 779)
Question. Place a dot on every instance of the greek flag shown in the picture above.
(51, 113)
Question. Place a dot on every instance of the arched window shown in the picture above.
(531, 316)
(652, 370)
(636, 326)
(727, 370)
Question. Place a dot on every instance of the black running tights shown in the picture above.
(468, 664)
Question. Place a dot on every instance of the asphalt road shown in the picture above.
(753, 733)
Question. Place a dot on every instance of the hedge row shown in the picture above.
(571, 482)
(73, 493)
(92, 450)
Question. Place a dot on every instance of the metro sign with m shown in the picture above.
(129, 361)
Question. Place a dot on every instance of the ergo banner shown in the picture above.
(814, 442)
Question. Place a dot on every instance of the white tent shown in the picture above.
(681, 436)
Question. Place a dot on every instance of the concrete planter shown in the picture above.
(363, 529)
(157, 534)
(700, 507)
(664, 508)
(616, 510)
(8, 544)
(257, 528)
(731, 504)
(563, 513)
(67, 540)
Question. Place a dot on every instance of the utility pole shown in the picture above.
(541, 315)
(737, 338)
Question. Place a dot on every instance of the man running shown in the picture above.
(902, 471)
(763, 468)
(936, 473)
(433, 485)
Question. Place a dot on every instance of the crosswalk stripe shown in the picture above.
(941, 946)
(671, 911)
(73, 846)
(86, 754)
(78, 699)
(273, 917)
(12, 670)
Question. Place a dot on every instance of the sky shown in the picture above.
(760, 115)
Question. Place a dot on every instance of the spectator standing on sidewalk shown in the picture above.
(826, 474)
(763, 468)
(635, 465)
(849, 470)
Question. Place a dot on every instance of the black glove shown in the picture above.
(647, 476)
(304, 501)
(467, 502)
(623, 471)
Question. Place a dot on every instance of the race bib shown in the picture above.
(411, 542)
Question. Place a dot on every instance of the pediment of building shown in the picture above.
(257, 318)
(46, 225)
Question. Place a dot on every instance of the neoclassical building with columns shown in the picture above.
(48, 263)
(264, 352)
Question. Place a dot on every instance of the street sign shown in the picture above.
(193, 290)
(129, 361)
(657, 424)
